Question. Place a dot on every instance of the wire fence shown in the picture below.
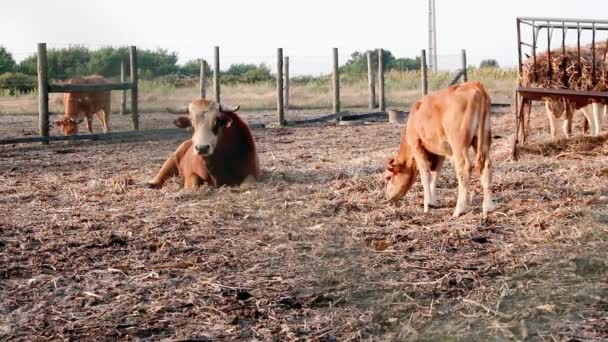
(310, 86)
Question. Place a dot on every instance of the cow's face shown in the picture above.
(399, 178)
(67, 125)
(209, 120)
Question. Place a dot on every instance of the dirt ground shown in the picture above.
(312, 252)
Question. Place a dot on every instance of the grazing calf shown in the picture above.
(221, 151)
(78, 105)
(444, 124)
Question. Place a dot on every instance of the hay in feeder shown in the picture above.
(563, 71)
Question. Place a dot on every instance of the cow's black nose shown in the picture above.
(202, 149)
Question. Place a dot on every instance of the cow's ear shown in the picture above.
(228, 122)
(392, 167)
(58, 123)
(182, 122)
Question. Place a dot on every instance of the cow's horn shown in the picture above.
(226, 108)
(178, 110)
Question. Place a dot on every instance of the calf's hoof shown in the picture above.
(152, 185)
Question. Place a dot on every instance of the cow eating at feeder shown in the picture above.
(221, 151)
(593, 112)
(444, 124)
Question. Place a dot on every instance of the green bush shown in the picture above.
(193, 68)
(17, 83)
(249, 73)
(489, 63)
(357, 64)
(79, 61)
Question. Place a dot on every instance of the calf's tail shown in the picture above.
(483, 137)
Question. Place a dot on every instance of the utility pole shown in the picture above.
(432, 57)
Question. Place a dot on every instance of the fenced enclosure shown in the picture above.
(310, 252)
(372, 85)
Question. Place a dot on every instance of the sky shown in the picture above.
(307, 30)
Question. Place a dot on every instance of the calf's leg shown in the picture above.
(102, 116)
(486, 181)
(90, 124)
(568, 122)
(463, 168)
(588, 112)
(437, 163)
(597, 118)
(551, 117)
(424, 164)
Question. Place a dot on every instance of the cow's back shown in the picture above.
(87, 102)
(456, 109)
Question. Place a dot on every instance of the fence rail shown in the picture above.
(330, 89)
(68, 88)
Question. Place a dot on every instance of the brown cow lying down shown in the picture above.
(221, 151)
(79, 105)
(444, 124)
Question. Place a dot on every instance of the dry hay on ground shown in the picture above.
(311, 252)
(551, 74)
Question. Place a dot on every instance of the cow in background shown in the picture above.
(594, 114)
(81, 105)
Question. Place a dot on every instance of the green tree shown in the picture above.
(106, 61)
(62, 63)
(193, 68)
(405, 63)
(7, 62)
(69, 62)
(28, 66)
(247, 73)
(80, 61)
(489, 63)
(357, 64)
(156, 63)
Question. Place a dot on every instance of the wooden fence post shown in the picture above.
(465, 76)
(280, 104)
(134, 89)
(216, 74)
(203, 80)
(43, 93)
(423, 73)
(370, 81)
(336, 81)
(381, 99)
(286, 77)
(123, 93)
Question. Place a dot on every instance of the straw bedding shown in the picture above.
(310, 253)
